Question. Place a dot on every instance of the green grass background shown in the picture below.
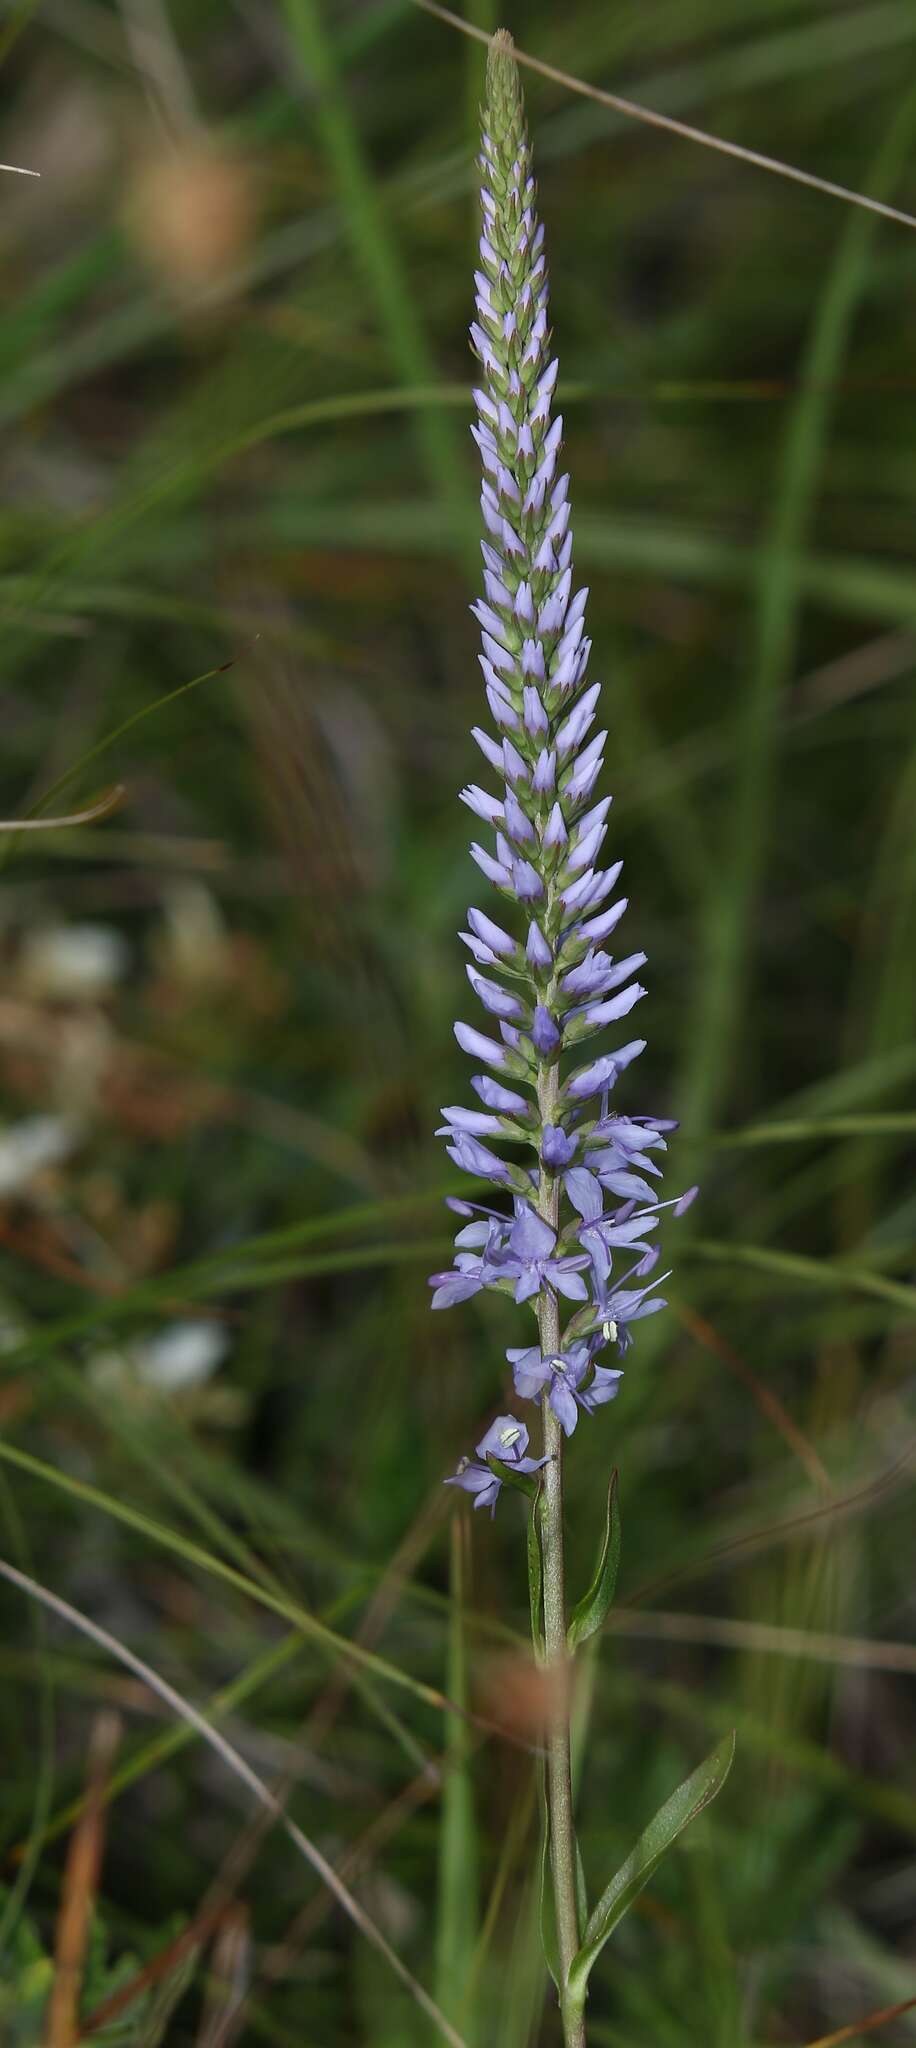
(234, 387)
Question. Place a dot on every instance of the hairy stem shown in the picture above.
(559, 1772)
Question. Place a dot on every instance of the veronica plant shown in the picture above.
(571, 1232)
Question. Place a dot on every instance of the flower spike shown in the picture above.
(588, 1196)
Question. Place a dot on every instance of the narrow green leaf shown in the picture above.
(165, 2000)
(110, 739)
(832, 1274)
(683, 1807)
(546, 1913)
(588, 1615)
(536, 1576)
(523, 1482)
(547, 1916)
(581, 1888)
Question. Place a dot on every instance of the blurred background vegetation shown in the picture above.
(235, 396)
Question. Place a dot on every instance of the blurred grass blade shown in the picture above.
(836, 1276)
(731, 922)
(377, 253)
(803, 1131)
(342, 1647)
(167, 1975)
(762, 1391)
(151, 1754)
(457, 1902)
(86, 760)
(685, 1804)
(166, 1997)
(42, 1729)
(242, 1770)
(119, 732)
(19, 18)
(202, 1280)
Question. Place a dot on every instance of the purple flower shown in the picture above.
(529, 1259)
(545, 1034)
(569, 1379)
(603, 1073)
(472, 1157)
(626, 1305)
(557, 1148)
(505, 1440)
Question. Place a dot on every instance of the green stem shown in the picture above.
(559, 1771)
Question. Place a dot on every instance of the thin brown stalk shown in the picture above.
(633, 111)
(80, 1885)
(859, 2028)
(767, 1401)
(836, 1509)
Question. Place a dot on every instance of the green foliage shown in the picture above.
(28, 1976)
(621, 1894)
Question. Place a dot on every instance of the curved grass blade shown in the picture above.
(226, 1274)
(634, 112)
(242, 1770)
(344, 1648)
(110, 739)
(101, 808)
(162, 1747)
(93, 754)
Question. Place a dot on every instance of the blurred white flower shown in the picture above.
(27, 1147)
(183, 1355)
(73, 963)
(193, 945)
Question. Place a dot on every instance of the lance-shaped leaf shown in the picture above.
(523, 1482)
(590, 1612)
(690, 1799)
